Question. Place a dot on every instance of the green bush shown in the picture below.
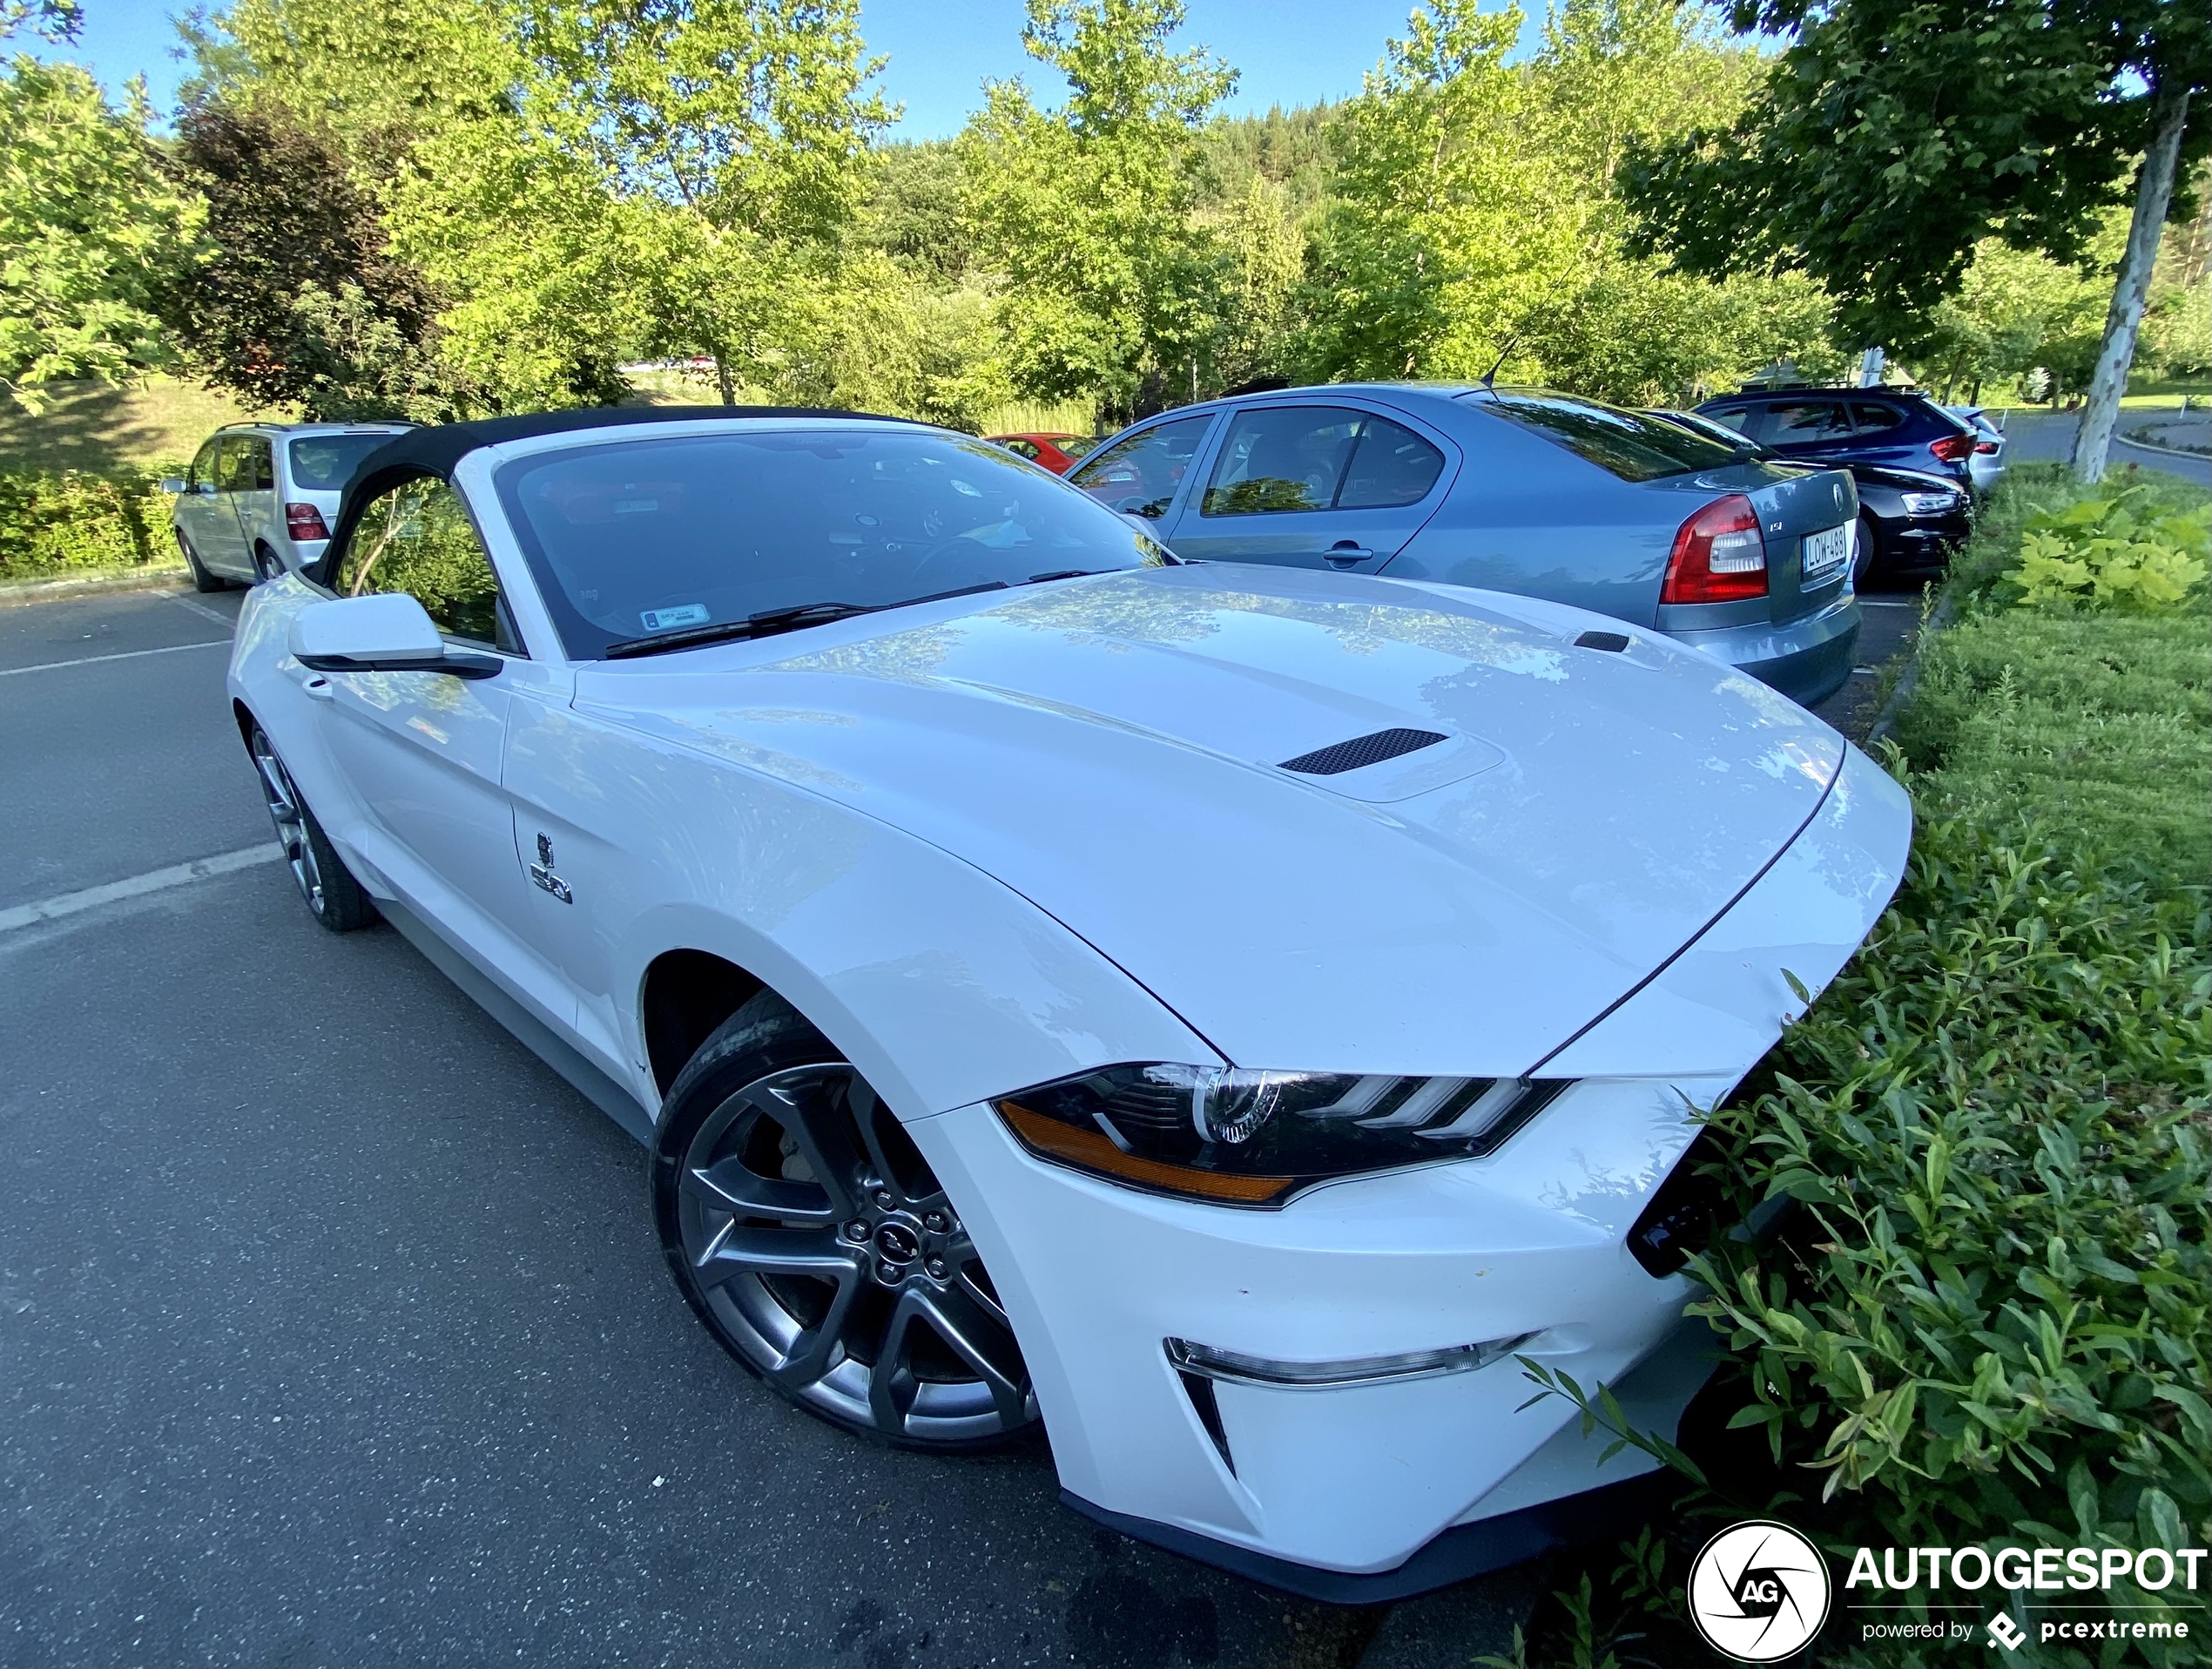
(58, 523)
(2113, 552)
(1987, 1322)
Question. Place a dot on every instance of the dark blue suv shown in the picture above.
(1887, 427)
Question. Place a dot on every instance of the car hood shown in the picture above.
(1111, 749)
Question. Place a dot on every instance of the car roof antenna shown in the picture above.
(1490, 376)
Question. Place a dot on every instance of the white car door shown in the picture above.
(421, 753)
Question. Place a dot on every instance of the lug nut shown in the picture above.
(856, 1230)
(887, 1270)
(883, 1198)
(935, 1221)
(936, 1267)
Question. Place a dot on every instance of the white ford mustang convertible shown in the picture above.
(1227, 1015)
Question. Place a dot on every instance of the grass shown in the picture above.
(108, 429)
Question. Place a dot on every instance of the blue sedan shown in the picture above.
(1512, 490)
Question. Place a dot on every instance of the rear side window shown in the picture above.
(1804, 423)
(1319, 457)
(1628, 444)
(1742, 419)
(1871, 418)
(1021, 449)
(1140, 473)
(257, 466)
(416, 537)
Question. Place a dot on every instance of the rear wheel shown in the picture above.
(808, 1232)
(332, 893)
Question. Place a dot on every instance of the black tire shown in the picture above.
(1868, 558)
(201, 579)
(333, 896)
(859, 1298)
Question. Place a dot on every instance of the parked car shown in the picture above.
(258, 497)
(1895, 427)
(1057, 453)
(1511, 490)
(1909, 520)
(1987, 464)
(1223, 1013)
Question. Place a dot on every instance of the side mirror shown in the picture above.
(1143, 525)
(388, 631)
(172, 483)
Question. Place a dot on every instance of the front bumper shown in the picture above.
(1363, 1480)
(1808, 659)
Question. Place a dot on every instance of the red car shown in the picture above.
(1058, 453)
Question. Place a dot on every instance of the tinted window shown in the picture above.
(324, 462)
(1869, 418)
(1141, 473)
(1625, 444)
(1019, 447)
(1391, 465)
(1806, 423)
(417, 539)
(640, 537)
(256, 465)
(1741, 419)
(1282, 458)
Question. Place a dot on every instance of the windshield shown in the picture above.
(324, 462)
(1629, 445)
(640, 537)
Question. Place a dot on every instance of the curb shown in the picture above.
(16, 594)
(1886, 721)
(2165, 451)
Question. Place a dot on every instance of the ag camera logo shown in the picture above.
(1758, 1592)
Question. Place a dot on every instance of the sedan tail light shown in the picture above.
(1986, 446)
(1718, 556)
(1951, 448)
(304, 522)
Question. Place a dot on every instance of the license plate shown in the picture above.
(1828, 550)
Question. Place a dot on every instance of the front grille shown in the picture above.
(1362, 750)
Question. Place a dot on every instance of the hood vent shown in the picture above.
(1362, 750)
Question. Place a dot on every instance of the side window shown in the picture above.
(257, 467)
(1282, 458)
(1806, 422)
(1741, 419)
(203, 467)
(1021, 449)
(231, 475)
(1390, 466)
(1871, 419)
(416, 537)
(1142, 473)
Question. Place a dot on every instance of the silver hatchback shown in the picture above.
(259, 498)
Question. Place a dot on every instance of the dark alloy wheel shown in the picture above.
(808, 1232)
(332, 892)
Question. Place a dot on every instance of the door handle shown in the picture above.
(1343, 553)
(319, 687)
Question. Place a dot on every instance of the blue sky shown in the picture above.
(1290, 51)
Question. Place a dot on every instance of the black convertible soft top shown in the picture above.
(434, 449)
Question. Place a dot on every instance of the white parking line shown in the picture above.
(203, 610)
(153, 881)
(94, 660)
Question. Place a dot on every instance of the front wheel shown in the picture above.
(808, 1232)
(337, 899)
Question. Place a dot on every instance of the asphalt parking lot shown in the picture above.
(332, 1324)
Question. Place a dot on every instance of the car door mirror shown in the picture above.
(172, 483)
(387, 632)
(1148, 525)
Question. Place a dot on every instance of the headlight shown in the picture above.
(1244, 1138)
(1929, 504)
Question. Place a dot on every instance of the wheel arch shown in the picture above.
(685, 997)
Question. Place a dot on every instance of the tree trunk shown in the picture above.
(724, 381)
(2154, 191)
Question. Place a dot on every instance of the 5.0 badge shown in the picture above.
(1758, 1592)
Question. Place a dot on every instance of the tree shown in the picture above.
(678, 176)
(88, 229)
(1087, 209)
(1894, 136)
(50, 20)
(295, 298)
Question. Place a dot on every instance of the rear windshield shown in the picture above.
(1625, 444)
(323, 463)
(638, 537)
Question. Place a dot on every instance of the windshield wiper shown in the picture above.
(1065, 573)
(765, 623)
